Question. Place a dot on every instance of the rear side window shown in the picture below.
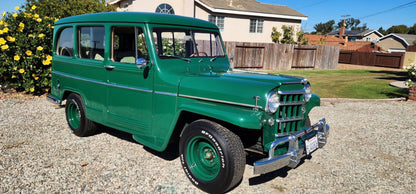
(65, 43)
(91, 43)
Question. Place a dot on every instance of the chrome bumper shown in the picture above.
(294, 153)
(53, 100)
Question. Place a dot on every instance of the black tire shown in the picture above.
(75, 117)
(212, 157)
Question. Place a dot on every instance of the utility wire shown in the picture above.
(311, 5)
(391, 9)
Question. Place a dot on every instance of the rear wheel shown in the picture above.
(212, 157)
(75, 116)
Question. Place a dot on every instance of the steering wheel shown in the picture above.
(65, 51)
(200, 52)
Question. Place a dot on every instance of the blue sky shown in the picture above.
(325, 10)
(368, 11)
(9, 5)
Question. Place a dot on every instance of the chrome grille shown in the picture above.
(289, 114)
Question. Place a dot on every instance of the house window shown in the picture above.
(217, 20)
(368, 39)
(165, 8)
(256, 26)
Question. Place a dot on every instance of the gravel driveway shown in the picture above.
(371, 149)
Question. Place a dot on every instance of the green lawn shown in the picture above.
(360, 84)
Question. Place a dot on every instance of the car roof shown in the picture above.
(137, 17)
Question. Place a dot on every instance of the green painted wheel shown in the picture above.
(75, 116)
(203, 158)
(212, 156)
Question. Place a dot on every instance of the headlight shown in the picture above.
(272, 102)
(308, 92)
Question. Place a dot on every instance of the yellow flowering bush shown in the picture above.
(26, 40)
(26, 50)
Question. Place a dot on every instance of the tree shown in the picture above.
(412, 29)
(324, 28)
(351, 24)
(287, 35)
(382, 31)
(65, 8)
(275, 35)
(301, 38)
(26, 41)
(360, 28)
(287, 38)
(400, 29)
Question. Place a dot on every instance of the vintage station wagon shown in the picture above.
(167, 79)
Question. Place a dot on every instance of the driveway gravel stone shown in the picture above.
(371, 149)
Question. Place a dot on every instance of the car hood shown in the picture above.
(234, 87)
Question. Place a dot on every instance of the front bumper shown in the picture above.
(295, 152)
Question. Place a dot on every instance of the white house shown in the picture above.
(239, 20)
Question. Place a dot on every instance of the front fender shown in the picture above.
(313, 102)
(240, 116)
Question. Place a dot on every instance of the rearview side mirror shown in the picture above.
(141, 63)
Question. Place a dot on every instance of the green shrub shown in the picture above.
(411, 70)
(26, 41)
(25, 54)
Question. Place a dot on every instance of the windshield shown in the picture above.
(185, 43)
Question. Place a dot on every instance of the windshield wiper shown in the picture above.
(177, 57)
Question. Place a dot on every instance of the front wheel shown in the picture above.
(212, 157)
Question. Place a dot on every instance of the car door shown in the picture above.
(130, 81)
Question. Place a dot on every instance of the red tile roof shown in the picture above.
(324, 40)
(360, 46)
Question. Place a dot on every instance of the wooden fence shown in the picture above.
(270, 56)
(392, 60)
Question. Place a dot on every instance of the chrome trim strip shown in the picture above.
(129, 88)
(291, 103)
(303, 81)
(78, 78)
(303, 91)
(221, 101)
(102, 83)
(279, 135)
(166, 93)
(289, 119)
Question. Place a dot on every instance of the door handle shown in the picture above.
(109, 67)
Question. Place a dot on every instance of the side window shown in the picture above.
(128, 45)
(91, 43)
(65, 42)
(208, 44)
